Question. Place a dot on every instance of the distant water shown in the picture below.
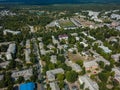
(58, 1)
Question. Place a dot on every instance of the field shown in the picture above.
(78, 56)
(66, 23)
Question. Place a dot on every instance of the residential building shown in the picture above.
(89, 65)
(1, 77)
(117, 74)
(4, 64)
(88, 83)
(64, 36)
(25, 73)
(51, 73)
(12, 32)
(53, 59)
(27, 52)
(105, 49)
(115, 16)
(100, 58)
(74, 66)
(54, 86)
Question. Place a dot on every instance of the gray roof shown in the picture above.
(12, 48)
(51, 73)
(74, 66)
(117, 73)
(88, 64)
(4, 64)
(54, 86)
(25, 73)
(116, 57)
(10, 31)
(88, 83)
(106, 49)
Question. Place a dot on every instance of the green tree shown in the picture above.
(71, 76)
(80, 62)
(101, 64)
(20, 79)
(60, 77)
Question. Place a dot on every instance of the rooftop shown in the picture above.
(88, 83)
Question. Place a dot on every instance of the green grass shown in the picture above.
(67, 24)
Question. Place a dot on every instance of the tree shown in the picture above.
(60, 77)
(82, 86)
(101, 64)
(20, 79)
(51, 66)
(61, 84)
(12, 64)
(10, 87)
(108, 68)
(80, 62)
(103, 76)
(71, 76)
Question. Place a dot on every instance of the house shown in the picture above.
(64, 36)
(116, 57)
(88, 83)
(25, 73)
(89, 65)
(51, 73)
(54, 86)
(74, 66)
(53, 59)
(105, 49)
(117, 74)
(12, 32)
(27, 86)
(4, 64)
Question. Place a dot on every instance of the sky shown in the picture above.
(59, 1)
